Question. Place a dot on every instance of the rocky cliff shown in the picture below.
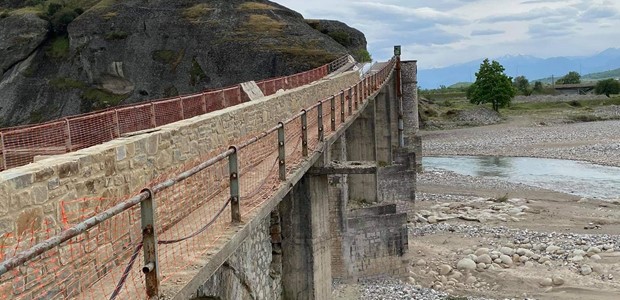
(69, 60)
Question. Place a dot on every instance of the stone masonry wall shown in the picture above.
(379, 243)
(248, 273)
(89, 180)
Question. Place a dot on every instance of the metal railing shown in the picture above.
(255, 169)
(19, 145)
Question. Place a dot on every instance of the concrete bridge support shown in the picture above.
(362, 146)
(306, 258)
(409, 71)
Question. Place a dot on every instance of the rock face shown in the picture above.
(353, 39)
(135, 50)
(19, 36)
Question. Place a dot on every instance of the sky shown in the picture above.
(440, 33)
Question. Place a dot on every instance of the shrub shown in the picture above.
(341, 37)
(61, 19)
(362, 55)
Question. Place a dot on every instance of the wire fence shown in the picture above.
(92, 249)
(19, 145)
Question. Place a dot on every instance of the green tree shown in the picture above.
(538, 86)
(491, 86)
(607, 87)
(522, 85)
(571, 78)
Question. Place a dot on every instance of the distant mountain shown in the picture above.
(528, 66)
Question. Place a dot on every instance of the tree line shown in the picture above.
(493, 86)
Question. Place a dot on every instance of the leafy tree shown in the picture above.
(491, 86)
(607, 87)
(522, 85)
(538, 86)
(571, 78)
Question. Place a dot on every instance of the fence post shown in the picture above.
(117, 123)
(153, 119)
(281, 151)
(149, 245)
(332, 112)
(204, 103)
(342, 116)
(234, 185)
(350, 100)
(320, 120)
(3, 151)
(68, 144)
(181, 111)
(304, 133)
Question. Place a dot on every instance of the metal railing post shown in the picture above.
(281, 151)
(357, 96)
(304, 133)
(350, 101)
(332, 103)
(320, 120)
(233, 169)
(342, 116)
(149, 245)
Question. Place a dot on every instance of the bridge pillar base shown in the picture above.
(306, 253)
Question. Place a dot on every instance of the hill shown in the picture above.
(63, 57)
(529, 66)
(589, 77)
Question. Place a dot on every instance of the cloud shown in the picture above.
(538, 31)
(599, 12)
(481, 32)
(533, 14)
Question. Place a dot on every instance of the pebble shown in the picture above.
(558, 280)
(444, 269)
(595, 257)
(484, 258)
(482, 251)
(546, 282)
(466, 264)
(420, 263)
(507, 251)
(552, 249)
(505, 259)
(586, 270)
(594, 250)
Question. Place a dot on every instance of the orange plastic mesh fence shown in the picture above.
(19, 145)
(135, 118)
(92, 130)
(23, 144)
(258, 171)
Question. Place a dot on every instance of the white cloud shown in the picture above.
(443, 32)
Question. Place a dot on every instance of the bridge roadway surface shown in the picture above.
(207, 251)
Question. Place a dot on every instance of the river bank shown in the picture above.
(482, 238)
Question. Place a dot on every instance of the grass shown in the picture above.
(99, 99)
(116, 35)
(109, 15)
(164, 56)
(263, 24)
(255, 6)
(64, 83)
(584, 118)
(196, 73)
(59, 47)
(195, 13)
